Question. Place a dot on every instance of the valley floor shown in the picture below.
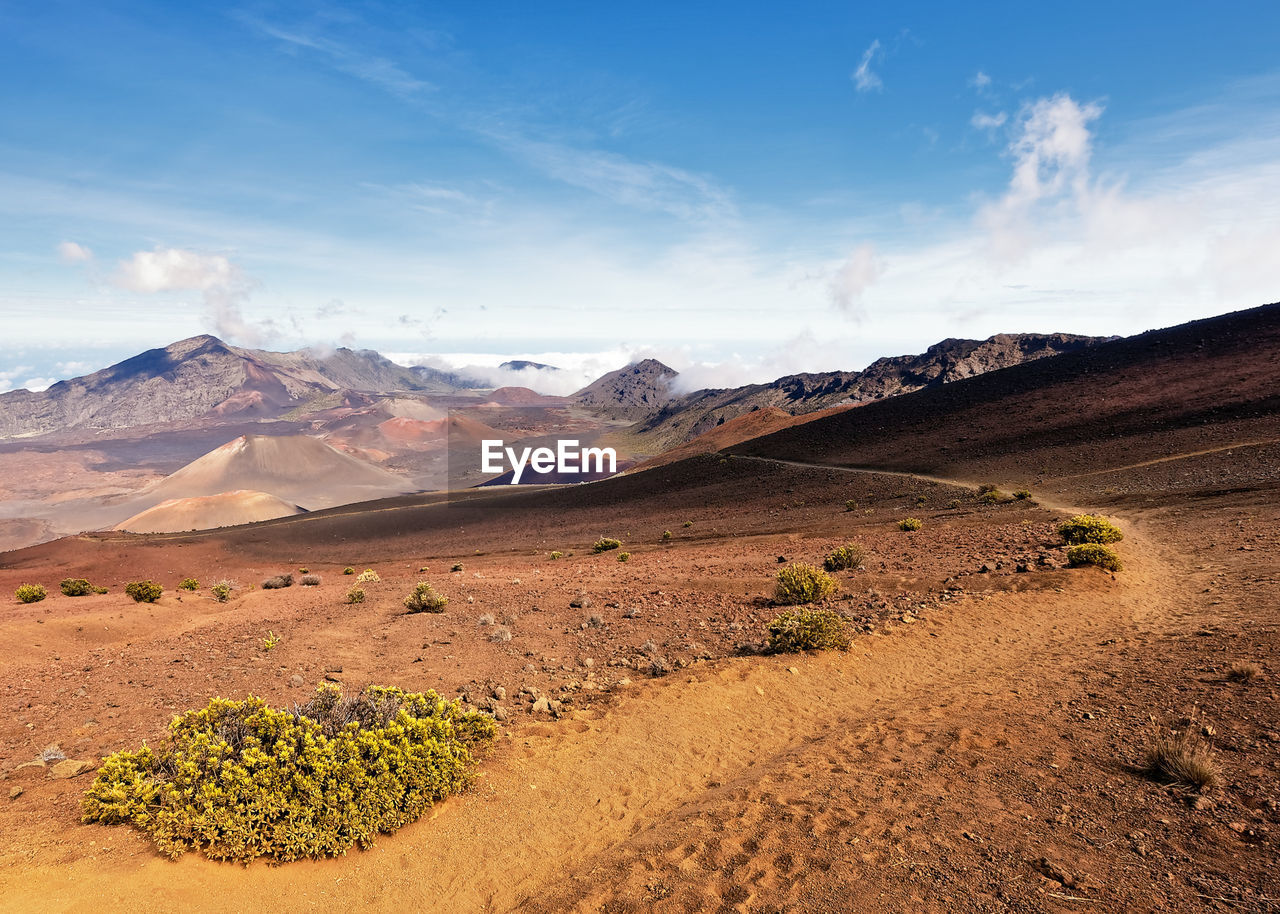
(976, 750)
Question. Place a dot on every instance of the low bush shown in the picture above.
(808, 630)
(1022, 494)
(624, 556)
(801, 583)
(240, 780)
(1089, 528)
(310, 580)
(278, 582)
(30, 593)
(304, 571)
(988, 487)
(221, 591)
(848, 556)
(687, 523)
(500, 635)
(954, 503)
(1093, 554)
(355, 595)
(556, 554)
(271, 641)
(910, 524)
(604, 544)
(76, 587)
(991, 497)
(851, 505)
(368, 576)
(188, 584)
(348, 570)
(1181, 757)
(144, 591)
(921, 499)
(424, 599)
(456, 567)
(666, 536)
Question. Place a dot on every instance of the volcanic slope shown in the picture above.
(295, 468)
(227, 509)
(980, 748)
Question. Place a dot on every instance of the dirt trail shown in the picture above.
(561, 796)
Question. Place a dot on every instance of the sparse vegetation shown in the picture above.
(953, 504)
(271, 641)
(144, 591)
(666, 536)
(688, 523)
(659, 666)
(500, 635)
(987, 487)
(457, 567)
(1093, 554)
(1089, 528)
(278, 582)
(310, 580)
(348, 570)
(239, 780)
(910, 524)
(30, 593)
(368, 576)
(1022, 494)
(485, 620)
(848, 556)
(1182, 757)
(921, 499)
(221, 591)
(188, 584)
(604, 544)
(801, 583)
(808, 629)
(355, 595)
(424, 599)
(624, 556)
(1244, 671)
(304, 571)
(851, 505)
(556, 554)
(78, 587)
(991, 496)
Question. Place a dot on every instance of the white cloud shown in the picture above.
(70, 252)
(864, 77)
(858, 272)
(222, 285)
(983, 121)
(980, 81)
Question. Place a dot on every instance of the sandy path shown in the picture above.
(562, 795)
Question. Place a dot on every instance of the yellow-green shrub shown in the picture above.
(1093, 554)
(801, 583)
(624, 556)
(807, 630)
(556, 553)
(144, 591)
(76, 587)
(348, 570)
(910, 524)
(850, 555)
(355, 595)
(1089, 528)
(239, 780)
(30, 593)
(188, 584)
(604, 544)
(221, 591)
(367, 576)
(424, 599)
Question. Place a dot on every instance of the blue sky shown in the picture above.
(739, 191)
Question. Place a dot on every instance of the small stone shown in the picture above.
(500, 693)
(499, 712)
(542, 705)
(333, 669)
(69, 768)
(16, 792)
(759, 691)
(1087, 715)
(29, 769)
(297, 681)
(1238, 827)
(793, 671)
(624, 681)
(588, 662)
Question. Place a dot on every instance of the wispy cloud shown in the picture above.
(380, 71)
(980, 81)
(860, 269)
(864, 78)
(983, 121)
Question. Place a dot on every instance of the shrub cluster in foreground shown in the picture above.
(78, 587)
(604, 544)
(808, 629)
(801, 583)
(910, 524)
(1089, 528)
(239, 780)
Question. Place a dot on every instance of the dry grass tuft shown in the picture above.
(1244, 671)
(1182, 757)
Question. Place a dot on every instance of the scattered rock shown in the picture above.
(70, 768)
(297, 681)
(16, 792)
(29, 769)
(499, 693)
(541, 706)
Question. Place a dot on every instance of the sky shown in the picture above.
(740, 189)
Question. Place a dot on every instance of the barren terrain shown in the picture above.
(978, 749)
